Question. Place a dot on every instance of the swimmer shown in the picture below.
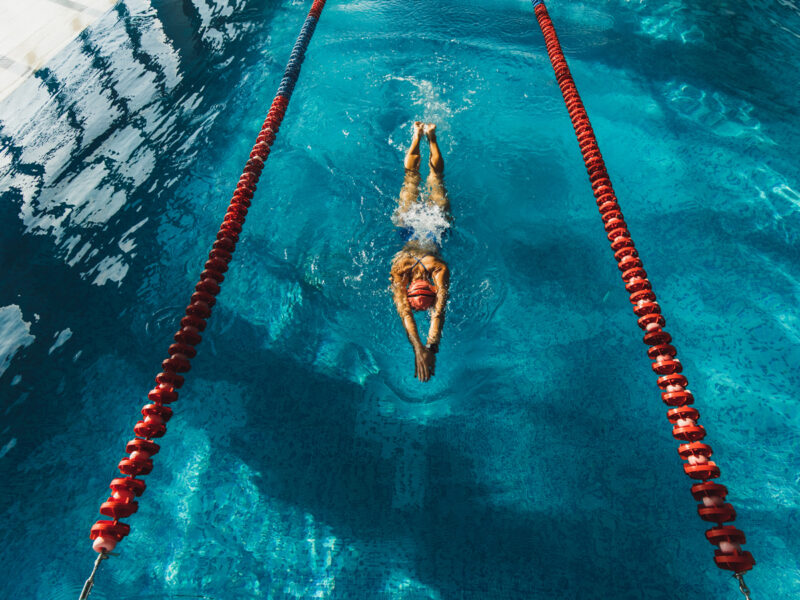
(420, 276)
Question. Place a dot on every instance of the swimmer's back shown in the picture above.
(421, 263)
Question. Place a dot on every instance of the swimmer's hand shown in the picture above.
(424, 363)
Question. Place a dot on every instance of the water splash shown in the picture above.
(426, 220)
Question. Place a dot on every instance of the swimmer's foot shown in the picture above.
(419, 129)
(430, 131)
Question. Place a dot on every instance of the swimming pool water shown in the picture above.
(304, 461)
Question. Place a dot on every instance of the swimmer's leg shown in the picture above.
(436, 161)
(412, 159)
(438, 193)
(410, 190)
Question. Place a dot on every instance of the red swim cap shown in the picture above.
(421, 294)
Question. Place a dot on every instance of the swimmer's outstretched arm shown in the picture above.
(441, 277)
(424, 359)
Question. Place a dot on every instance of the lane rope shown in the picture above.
(675, 394)
(122, 504)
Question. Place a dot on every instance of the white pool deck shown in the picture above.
(33, 31)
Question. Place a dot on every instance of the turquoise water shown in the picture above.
(304, 461)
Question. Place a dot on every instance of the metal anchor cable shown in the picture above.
(87, 587)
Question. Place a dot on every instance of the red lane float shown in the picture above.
(675, 392)
(122, 503)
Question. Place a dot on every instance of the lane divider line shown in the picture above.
(675, 394)
(140, 450)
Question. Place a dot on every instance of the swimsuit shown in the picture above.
(407, 234)
(428, 275)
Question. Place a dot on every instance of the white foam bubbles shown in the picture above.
(427, 220)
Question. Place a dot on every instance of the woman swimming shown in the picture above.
(420, 276)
